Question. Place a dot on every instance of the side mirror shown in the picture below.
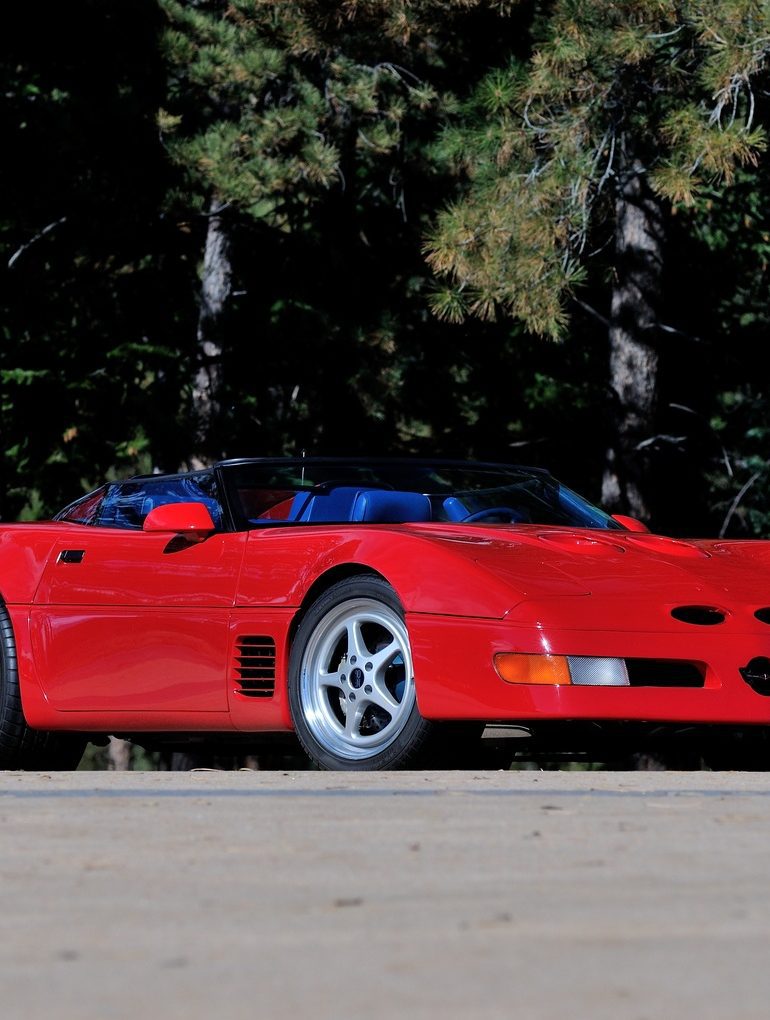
(190, 519)
(630, 523)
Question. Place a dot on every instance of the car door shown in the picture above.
(136, 622)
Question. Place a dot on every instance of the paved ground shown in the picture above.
(230, 895)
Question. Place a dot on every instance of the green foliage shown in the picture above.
(268, 103)
(317, 159)
(666, 85)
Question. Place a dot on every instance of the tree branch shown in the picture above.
(46, 230)
(593, 312)
(734, 505)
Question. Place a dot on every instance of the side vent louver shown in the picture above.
(254, 666)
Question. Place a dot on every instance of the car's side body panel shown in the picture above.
(258, 664)
(142, 569)
(24, 551)
(129, 628)
(124, 660)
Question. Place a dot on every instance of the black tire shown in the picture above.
(20, 746)
(351, 653)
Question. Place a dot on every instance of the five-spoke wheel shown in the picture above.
(351, 681)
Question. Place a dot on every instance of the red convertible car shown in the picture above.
(383, 612)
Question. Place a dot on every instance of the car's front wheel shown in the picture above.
(351, 681)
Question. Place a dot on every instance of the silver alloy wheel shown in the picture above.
(356, 682)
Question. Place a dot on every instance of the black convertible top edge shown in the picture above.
(343, 460)
(418, 461)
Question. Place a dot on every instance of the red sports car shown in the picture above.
(380, 611)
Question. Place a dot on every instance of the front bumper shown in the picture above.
(456, 679)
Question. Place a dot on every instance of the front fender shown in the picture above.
(431, 572)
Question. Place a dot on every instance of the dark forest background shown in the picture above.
(247, 228)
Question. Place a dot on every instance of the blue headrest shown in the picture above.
(388, 507)
(298, 504)
(335, 505)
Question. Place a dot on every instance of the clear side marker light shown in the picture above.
(587, 671)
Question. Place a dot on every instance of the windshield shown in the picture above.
(314, 491)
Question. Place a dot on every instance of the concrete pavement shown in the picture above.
(230, 895)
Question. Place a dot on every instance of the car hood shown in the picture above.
(540, 561)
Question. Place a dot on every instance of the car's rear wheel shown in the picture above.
(351, 681)
(20, 746)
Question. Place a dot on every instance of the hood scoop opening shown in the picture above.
(699, 616)
(578, 543)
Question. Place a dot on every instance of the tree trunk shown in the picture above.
(639, 235)
(118, 754)
(216, 288)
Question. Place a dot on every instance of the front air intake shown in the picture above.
(665, 673)
(700, 616)
(254, 666)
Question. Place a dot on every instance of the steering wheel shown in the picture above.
(490, 511)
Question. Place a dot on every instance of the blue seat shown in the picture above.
(334, 505)
(385, 506)
(455, 509)
(348, 503)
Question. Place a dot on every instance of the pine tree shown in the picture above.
(576, 159)
(270, 106)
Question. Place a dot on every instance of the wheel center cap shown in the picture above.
(356, 677)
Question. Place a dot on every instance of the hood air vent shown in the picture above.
(701, 616)
(254, 666)
(757, 674)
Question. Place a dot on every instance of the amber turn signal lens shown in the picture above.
(518, 668)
